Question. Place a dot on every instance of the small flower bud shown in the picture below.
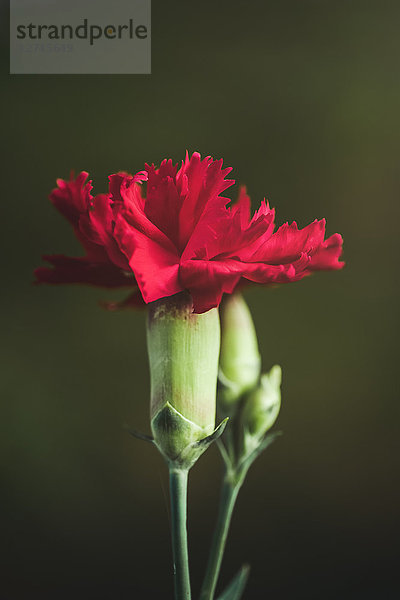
(240, 360)
(183, 352)
(261, 407)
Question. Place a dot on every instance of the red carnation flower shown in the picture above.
(182, 235)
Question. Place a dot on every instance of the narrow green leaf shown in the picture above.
(235, 589)
(246, 463)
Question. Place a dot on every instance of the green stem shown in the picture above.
(178, 479)
(229, 492)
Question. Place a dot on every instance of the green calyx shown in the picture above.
(183, 352)
(240, 361)
(173, 432)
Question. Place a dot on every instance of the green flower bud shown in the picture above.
(240, 361)
(183, 352)
(261, 408)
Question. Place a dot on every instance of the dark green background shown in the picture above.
(302, 99)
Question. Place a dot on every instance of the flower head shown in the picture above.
(182, 235)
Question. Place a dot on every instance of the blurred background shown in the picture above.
(302, 99)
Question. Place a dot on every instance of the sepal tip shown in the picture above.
(139, 435)
(193, 451)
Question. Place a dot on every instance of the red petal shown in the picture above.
(226, 233)
(328, 254)
(208, 280)
(155, 265)
(73, 197)
(243, 206)
(289, 242)
(283, 273)
(204, 181)
(116, 180)
(81, 270)
(133, 211)
(163, 201)
(134, 300)
(101, 230)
